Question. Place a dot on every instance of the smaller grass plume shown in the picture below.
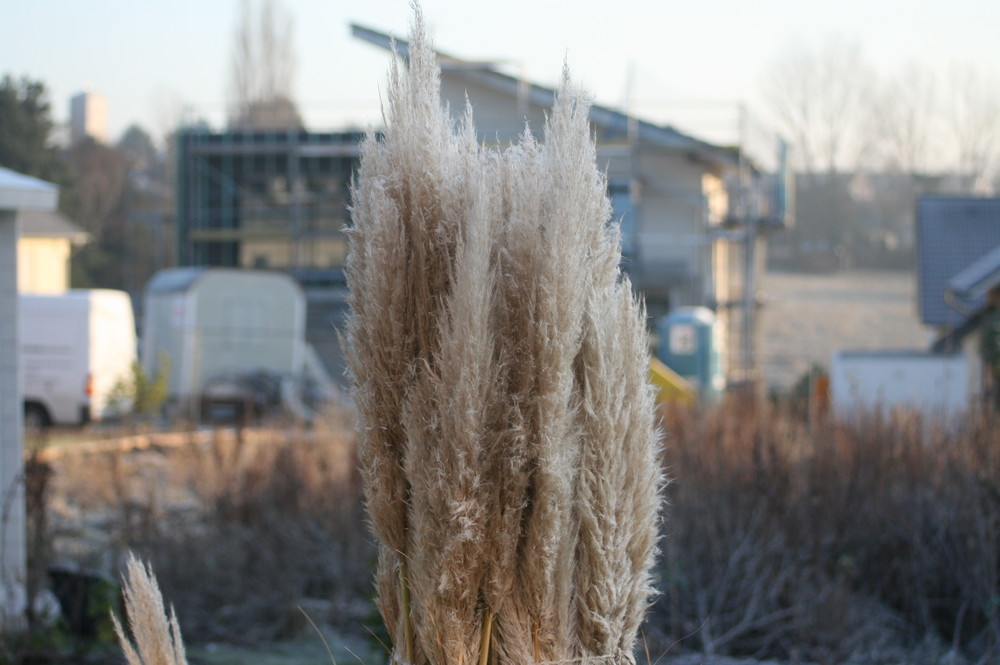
(157, 635)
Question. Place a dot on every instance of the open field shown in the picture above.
(806, 317)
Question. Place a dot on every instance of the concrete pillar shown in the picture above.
(12, 537)
(16, 191)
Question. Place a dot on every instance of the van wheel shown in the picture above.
(36, 418)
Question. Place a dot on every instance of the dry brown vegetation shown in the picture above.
(239, 534)
(877, 541)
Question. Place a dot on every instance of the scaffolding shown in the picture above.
(264, 199)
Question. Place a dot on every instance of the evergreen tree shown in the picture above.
(26, 130)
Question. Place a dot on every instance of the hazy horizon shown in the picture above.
(159, 62)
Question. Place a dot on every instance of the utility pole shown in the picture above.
(751, 230)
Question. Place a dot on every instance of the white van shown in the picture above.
(75, 347)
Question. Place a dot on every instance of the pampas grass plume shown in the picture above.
(499, 359)
(157, 636)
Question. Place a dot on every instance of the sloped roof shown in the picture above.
(971, 285)
(979, 278)
(954, 233)
(49, 224)
(608, 119)
(179, 280)
(175, 280)
(21, 191)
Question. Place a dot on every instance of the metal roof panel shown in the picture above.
(953, 232)
(663, 136)
(976, 280)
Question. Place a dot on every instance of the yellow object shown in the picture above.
(671, 386)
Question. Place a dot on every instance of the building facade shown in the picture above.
(264, 199)
(691, 213)
(43, 251)
(958, 284)
(88, 117)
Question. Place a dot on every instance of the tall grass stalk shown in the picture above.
(506, 431)
(157, 636)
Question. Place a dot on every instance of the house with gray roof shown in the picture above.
(953, 234)
(691, 213)
(43, 251)
(958, 280)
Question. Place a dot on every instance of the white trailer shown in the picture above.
(212, 322)
(76, 347)
(933, 384)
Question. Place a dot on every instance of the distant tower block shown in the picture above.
(88, 116)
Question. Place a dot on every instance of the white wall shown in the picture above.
(497, 116)
(676, 199)
(974, 363)
(43, 265)
(936, 385)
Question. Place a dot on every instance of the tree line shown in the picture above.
(866, 144)
(119, 193)
(122, 193)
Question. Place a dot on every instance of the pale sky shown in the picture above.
(157, 59)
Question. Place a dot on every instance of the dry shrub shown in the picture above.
(238, 533)
(833, 540)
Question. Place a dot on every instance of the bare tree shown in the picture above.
(908, 120)
(909, 137)
(973, 116)
(821, 98)
(263, 68)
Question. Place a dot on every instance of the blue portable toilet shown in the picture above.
(689, 345)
